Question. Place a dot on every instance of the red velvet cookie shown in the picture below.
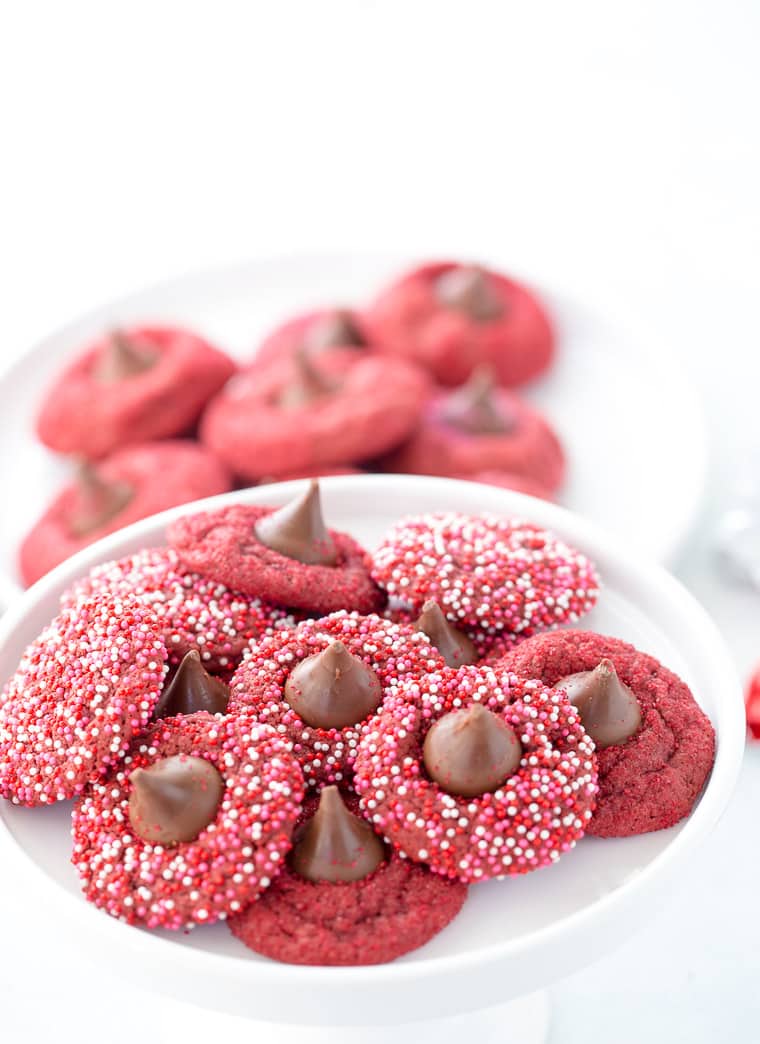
(653, 779)
(145, 382)
(342, 407)
(481, 428)
(193, 612)
(235, 854)
(524, 819)
(372, 919)
(223, 545)
(83, 689)
(326, 752)
(451, 318)
(486, 572)
(314, 332)
(131, 484)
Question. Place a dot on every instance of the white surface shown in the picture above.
(513, 936)
(524, 1020)
(610, 145)
(236, 307)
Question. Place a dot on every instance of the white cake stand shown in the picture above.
(478, 979)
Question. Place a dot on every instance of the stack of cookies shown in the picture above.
(264, 723)
(421, 380)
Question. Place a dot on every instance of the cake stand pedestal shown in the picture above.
(524, 1020)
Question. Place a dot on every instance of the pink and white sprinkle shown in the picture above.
(195, 612)
(494, 573)
(83, 689)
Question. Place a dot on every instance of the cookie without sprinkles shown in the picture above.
(83, 689)
(231, 861)
(487, 572)
(222, 545)
(323, 922)
(653, 778)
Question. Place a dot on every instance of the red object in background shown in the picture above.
(752, 703)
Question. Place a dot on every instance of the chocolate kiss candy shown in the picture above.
(336, 845)
(333, 689)
(334, 330)
(470, 752)
(469, 289)
(455, 647)
(174, 799)
(298, 530)
(308, 385)
(98, 501)
(121, 359)
(609, 711)
(192, 689)
(474, 408)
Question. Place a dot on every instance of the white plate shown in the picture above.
(631, 422)
(512, 936)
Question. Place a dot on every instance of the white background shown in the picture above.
(611, 146)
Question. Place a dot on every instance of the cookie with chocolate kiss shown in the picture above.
(131, 386)
(191, 826)
(476, 773)
(452, 317)
(655, 745)
(322, 684)
(340, 877)
(284, 555)
(478, 428)
(130, 485)
(334, 406)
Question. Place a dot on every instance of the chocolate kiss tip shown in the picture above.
(335, 845)
(471, 752)
(121, 359)
(98, 501)
(174, 799)
(608, 709)
(469, 289)
(454, 646)
(309, 383)
(333, 688)
(474, 407)
(336, 329)
(192, 689)
(298, 530)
